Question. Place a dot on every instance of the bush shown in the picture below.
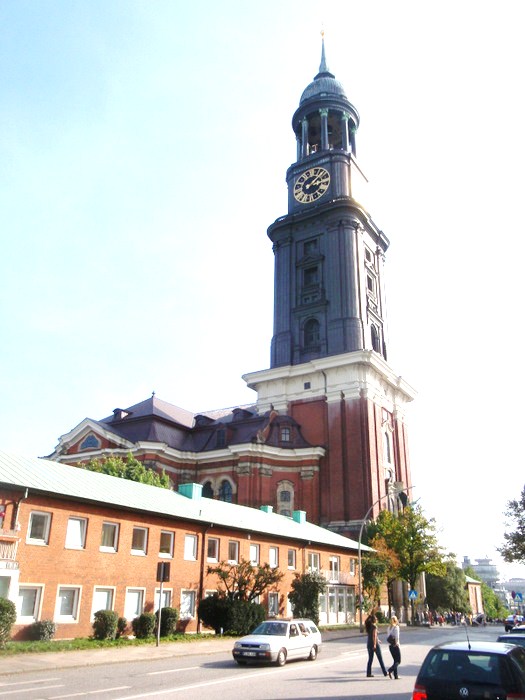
(105, 624)
(168, 621)
(144, 625)
(42, 630)
(122, 623)
(236, 617)
(7, 619)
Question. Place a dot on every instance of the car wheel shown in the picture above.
(312, 656)
(281, 657)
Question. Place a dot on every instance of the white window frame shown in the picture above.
(144, 548)
(171, 535)
(352, 566)
(68, 618)
(314, 561)
(116, 530)
(140, 594)
(273, 557)
(273, 604)
(188, 600)
(335, 568)
(255, 554)
(37, 606)
(293, 563)
(167, 597)
(76, 532)
(95, 607)
(190, 547)
(235, 545)
(42, 541)
(215, 551)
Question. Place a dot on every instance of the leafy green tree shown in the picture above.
(7, 620)
(304, 596)
(514, 547)
(448, 592)
(129, 468)
(380, 567)
(244, 581)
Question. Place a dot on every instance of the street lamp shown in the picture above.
(404, 500)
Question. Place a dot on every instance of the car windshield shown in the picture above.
(274, 628)
(463, 666)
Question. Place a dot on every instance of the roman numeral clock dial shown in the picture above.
(311, 185)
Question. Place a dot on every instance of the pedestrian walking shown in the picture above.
(373, 645)
(393, 645)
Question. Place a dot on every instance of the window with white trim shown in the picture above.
(166, 598)
(254, 554)
(38, 528)
(313, 561)
(139, 542)
(233, 552)
(273, 604)
(109, 537)
(190, 547)
(352, 566)
(167, 539)
(28, 603)
(213, 549)
(67, 604)
(102, 599)
(291, 558)
(187, 604)
(76, 533)
(134, 603)
(335, 567)
(273, 557)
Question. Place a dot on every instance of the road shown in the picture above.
(338, 672)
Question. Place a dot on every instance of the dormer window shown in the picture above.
(285, 434)
(90, 442)
(221, 438)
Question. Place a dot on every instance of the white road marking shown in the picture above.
(31, 690)
(171, 670)
(90, 692)
(40, 680)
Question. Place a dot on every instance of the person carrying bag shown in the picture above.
(393, 644)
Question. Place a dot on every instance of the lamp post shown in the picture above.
(404, 500)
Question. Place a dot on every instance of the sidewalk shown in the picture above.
(48, 661)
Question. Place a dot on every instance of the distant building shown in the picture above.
(485, 570)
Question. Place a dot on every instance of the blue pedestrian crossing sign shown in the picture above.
(412, 595)
(519, 596)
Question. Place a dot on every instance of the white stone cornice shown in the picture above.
(350, 375)
(81, 430)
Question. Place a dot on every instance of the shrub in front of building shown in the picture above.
(225, 616)
(105, 624)
(168, 621)
(144, 625)
(7, 620)
(42, 630)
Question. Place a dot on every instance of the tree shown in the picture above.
(244, 581)
(514, 547)
(304, 596)
(130, 468)
(412, 538)
(448, 592)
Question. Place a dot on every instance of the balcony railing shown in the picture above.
(343, 577)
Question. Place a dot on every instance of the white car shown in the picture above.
(277, 641)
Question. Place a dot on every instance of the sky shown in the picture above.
(143, 152)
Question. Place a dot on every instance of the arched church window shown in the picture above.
(311, 332)
(376, 344)
(225, 491)
(285, 498)
(387, 449)
(207, 490)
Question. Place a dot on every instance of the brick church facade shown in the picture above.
(326, 433)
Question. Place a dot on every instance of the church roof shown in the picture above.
(324, 84)
(47, 477)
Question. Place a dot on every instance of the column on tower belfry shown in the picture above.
(304, 139)
(324, 129)
(344, 129)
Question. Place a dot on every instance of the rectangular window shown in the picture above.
(38, 529)
(335, 567)
(311, 276)
(190, 547)
(254, 554)
(166, 544)
(139, 542)
(102, 600)
(109, 538)
(291, 558)
(134, 603)
(187, 604)
(233, 552)
(213, 549)
(28, 604)
(352, 566)
(273, 555)
(313, 561)
(166, 598)
(273, 604)
(76, 533)
(68, 604)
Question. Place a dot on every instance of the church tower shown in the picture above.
(328, 366)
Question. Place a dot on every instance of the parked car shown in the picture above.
(277, 641)
(511, 621)
(511, 638)
(472, 670)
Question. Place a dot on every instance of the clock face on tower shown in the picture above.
(311, 185)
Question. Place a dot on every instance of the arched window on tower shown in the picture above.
(207, 490)
(376, 343)
(225, 491)
(311, 333)
(285, 498)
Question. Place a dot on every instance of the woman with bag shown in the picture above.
(393, 643)
(372, 645)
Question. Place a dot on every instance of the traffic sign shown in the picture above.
(412, 595)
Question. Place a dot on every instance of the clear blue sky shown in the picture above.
(143, 151)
